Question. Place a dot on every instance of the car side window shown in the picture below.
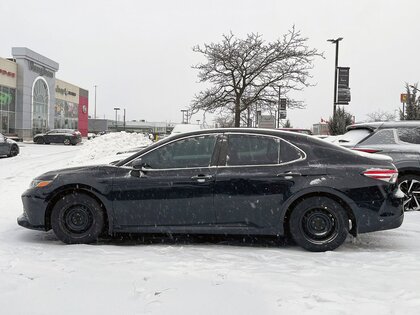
(184, 153)
(409, 135)
(384, 136)
(289, 153)
(252, 150)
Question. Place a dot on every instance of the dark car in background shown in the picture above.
(397, 139)
(66, 136)
(8, 147)
(223, 181)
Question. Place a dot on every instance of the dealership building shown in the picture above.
(33, 100)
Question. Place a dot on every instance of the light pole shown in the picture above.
(94, 115)
(336, 42)
(116, 119)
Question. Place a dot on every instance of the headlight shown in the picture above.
(40, 183)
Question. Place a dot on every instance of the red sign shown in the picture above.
(8, 73)
(403, 98)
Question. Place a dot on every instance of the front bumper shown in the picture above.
(23, 220)
(34, 210)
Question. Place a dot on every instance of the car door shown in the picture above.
(255, 176)
(174, 188)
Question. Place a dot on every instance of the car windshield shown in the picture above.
(352, 137)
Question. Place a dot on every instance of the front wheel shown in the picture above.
(67, 141)
(77, 219)
(14, 150)
(410, 186)
(319, 224)
(40, 140)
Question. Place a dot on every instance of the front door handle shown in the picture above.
(201, 178)
(289, 174)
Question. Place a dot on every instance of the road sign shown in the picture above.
(267, 121)
(403, 98)
(283, 103)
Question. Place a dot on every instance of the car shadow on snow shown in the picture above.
(381, 241)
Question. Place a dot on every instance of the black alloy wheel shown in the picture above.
(67, 141)
(410, 186)
(40, 140)
(77, 219)
(319, 224)
(14, 150)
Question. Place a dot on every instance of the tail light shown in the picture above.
(367, 150)
(384, 174)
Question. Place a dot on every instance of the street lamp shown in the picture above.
(116, 119)
(336, 42)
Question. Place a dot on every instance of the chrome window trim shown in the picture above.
(222, 166)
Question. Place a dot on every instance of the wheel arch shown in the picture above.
(77, 188)
(345, 202)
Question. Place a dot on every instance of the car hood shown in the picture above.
(10, 141)
(76, 170)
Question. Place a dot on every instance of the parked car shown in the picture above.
(397, 139)
(66, 136)
(8, 146)
(223, 181)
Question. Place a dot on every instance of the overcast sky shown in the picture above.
(139, 52)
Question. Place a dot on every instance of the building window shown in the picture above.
(7, 110)
(66, 115)
(40, 106)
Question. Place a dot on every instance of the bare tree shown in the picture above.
(380, 115)
(250, 72)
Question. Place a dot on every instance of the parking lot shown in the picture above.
(372, 274)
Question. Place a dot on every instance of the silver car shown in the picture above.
(397, 139)
(8, 147)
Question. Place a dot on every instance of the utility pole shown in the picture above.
(336, 42)
(94, 115)
(124, 119)
(116, 118)
(278, 109)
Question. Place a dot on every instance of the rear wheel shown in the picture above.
(319, 224)
(410, 186)
(14, 150)
(67, 141)
(77, 219)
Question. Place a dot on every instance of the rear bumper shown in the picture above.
(389, 216)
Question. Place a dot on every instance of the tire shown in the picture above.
(319, 224)
(410, 186)
(40, 140)
(14, 150)
(77, 219)
(67, 141)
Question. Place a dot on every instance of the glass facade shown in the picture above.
(66, 115)
(7, 109)
(40, 107)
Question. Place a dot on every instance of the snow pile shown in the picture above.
(104, 148)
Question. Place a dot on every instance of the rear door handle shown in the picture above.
(289, 174)
(202, 178)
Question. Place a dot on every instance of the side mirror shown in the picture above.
(140, 165)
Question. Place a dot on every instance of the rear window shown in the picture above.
(384, 136)
(409, 135)
(353, 137)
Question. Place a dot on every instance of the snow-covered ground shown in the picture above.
(377, 273)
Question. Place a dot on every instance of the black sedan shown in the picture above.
(66, 136)
(8, 147)
(223, 181)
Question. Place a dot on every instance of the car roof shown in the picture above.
(385, 124)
